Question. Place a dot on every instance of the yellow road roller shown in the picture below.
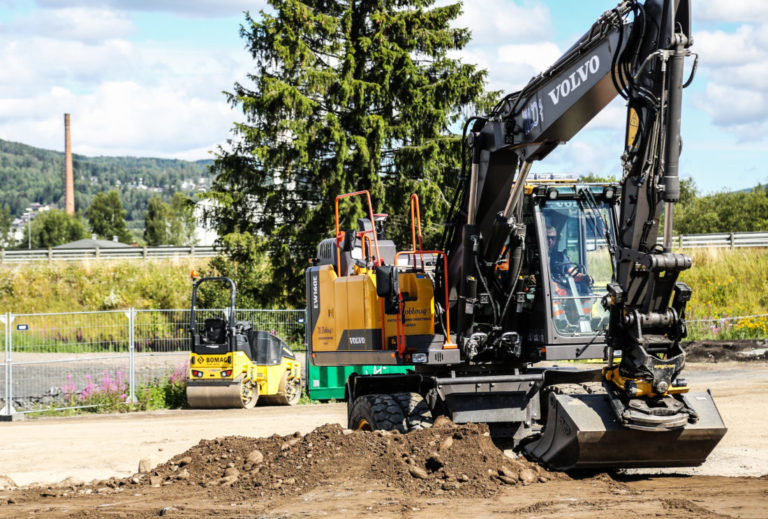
(233, 365)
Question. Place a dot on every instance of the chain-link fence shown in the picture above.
(81, 359)
(60, 360)
(5, 379)
(725, 328)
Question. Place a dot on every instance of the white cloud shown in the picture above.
(734, 71)
(121, 118)
(741, 111)
(730, 11)
(77, 24)
(493, 22)
(184, 8)
(720, 48)
(145, 98)
(513, 43)
(516, 64)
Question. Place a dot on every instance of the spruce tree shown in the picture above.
(344, 96)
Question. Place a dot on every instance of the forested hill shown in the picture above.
(29, 175)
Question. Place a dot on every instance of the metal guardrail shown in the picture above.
(687, 241)
(33, 255)
(720, 240)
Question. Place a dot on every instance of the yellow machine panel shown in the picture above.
(346, 314)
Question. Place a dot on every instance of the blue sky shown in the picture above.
(145, 78)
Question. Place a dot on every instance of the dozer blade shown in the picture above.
(214, 395)
(583, 432)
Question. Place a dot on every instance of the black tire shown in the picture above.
(375, 413)
(415, 410)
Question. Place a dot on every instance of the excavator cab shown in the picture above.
(578, 257)
(568, 266)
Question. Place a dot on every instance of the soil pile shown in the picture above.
(450, 459)
(721, 351)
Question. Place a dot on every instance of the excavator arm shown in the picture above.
(635, 50)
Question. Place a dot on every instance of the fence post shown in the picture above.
(131, 314)
(733, 240)
(8, 410)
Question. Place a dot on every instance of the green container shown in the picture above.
(328, 382)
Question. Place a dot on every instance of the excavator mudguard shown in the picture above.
(582, 431)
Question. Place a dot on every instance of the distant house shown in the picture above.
(91, 243)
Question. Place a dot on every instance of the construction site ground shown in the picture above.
(280, 462)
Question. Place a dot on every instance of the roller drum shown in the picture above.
(238, 394)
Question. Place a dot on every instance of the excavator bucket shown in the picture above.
(583, 432)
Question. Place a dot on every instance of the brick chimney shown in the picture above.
(69, 178)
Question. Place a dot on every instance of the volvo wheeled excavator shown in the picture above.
(532, 271)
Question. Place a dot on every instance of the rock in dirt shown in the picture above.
(528, 476)
(7, 483)
(145, 465)
(418, 472)
(443, 422)
(255, 457)
(71, 482)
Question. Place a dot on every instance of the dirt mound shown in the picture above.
(721, 351)
(457, 460)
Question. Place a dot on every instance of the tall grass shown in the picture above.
(726, 283)
(729, 285)
(96, 285)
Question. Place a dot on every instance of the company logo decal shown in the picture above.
(575, 80)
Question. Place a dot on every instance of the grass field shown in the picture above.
(96, 285)
(726, 283)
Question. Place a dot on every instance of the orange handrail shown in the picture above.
(372, 231)
(414, 202)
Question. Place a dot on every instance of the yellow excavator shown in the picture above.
(233, 365)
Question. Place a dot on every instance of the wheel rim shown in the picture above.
(293, 391)
(363, 425)
(246, 393)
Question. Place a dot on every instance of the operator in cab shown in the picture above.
(559, 263)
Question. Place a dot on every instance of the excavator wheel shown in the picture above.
(376, 412)
(415, 409)
(289, 392)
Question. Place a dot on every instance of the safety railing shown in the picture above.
(720, 240)
(125, 253)
(62, 361)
